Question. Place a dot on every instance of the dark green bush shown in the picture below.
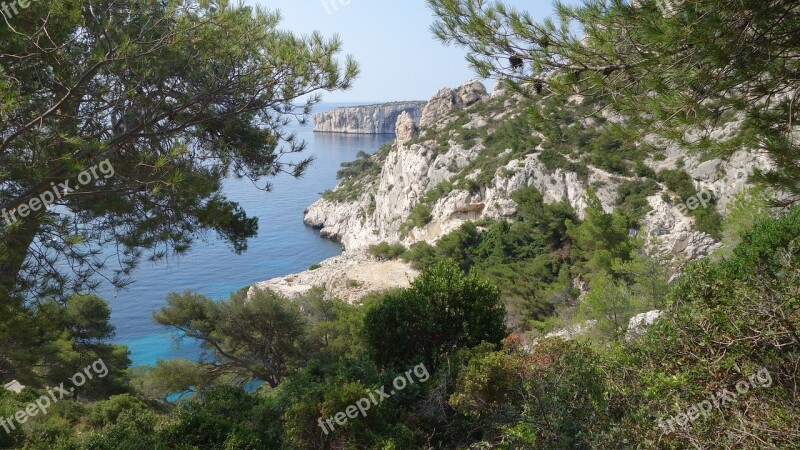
(217, 418)
(679, 182)
(442, 311)
(554, 160)
(384, 250)
(419, 217)
(107, 412)
(632, 197)
(707, 218)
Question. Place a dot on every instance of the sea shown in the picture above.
(284, 245)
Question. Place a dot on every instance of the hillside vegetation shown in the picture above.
(538, 232)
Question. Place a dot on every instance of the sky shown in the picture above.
(391, 40)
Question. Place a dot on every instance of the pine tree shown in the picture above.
(677, 69)
(174, 97)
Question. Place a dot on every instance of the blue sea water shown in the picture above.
(284, 245)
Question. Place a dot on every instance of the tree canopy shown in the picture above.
(176, 96)
(261, 337)
(441, 312)
(682, 70)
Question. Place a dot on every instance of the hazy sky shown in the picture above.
(391, 40)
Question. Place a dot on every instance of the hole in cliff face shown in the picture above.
(331, 236)
(468, 212)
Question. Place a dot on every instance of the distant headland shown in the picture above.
(367, 119)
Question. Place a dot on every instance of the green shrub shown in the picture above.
(442, 311)
(384, 250)
(552, 397)
(748, 207)
(421, 255)
(419, 217)
(356, 175)
(707, 218)
(470, 185)
(524, 259)
(632, 197)
(215, 418)
(609, 153)
(358, 167)
(643, 171)
(553, 160)
(107, 412)
(10, 403)
(347, 191)
(722, 327)
(439, 191)
(351, 283)
(679, 182)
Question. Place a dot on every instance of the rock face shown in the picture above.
(410, 171)
(372, 119)
(448, 99)
(572, 332)
(406, 129)
(638, 324)
(14, 386)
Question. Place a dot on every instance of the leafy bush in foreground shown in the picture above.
(444, 310)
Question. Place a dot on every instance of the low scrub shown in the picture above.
(385, 250)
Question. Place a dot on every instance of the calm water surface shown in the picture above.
(284, 245)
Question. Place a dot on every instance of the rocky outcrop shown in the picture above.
(410, 171)
(371, 119)
(573, 331)
(448, 99)
(638, 324)
(349, 276)
(406, 129)
(14, 386)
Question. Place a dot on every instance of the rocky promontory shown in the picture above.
(369, 119)
(437, 161)
(416, 166)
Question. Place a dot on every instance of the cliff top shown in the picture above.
(372, 105)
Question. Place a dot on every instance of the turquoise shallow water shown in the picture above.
(284, 245)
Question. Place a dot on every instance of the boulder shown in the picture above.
(14, 386)
(638, 323)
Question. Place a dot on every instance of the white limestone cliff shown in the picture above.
(414, 166)
(370, 119)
